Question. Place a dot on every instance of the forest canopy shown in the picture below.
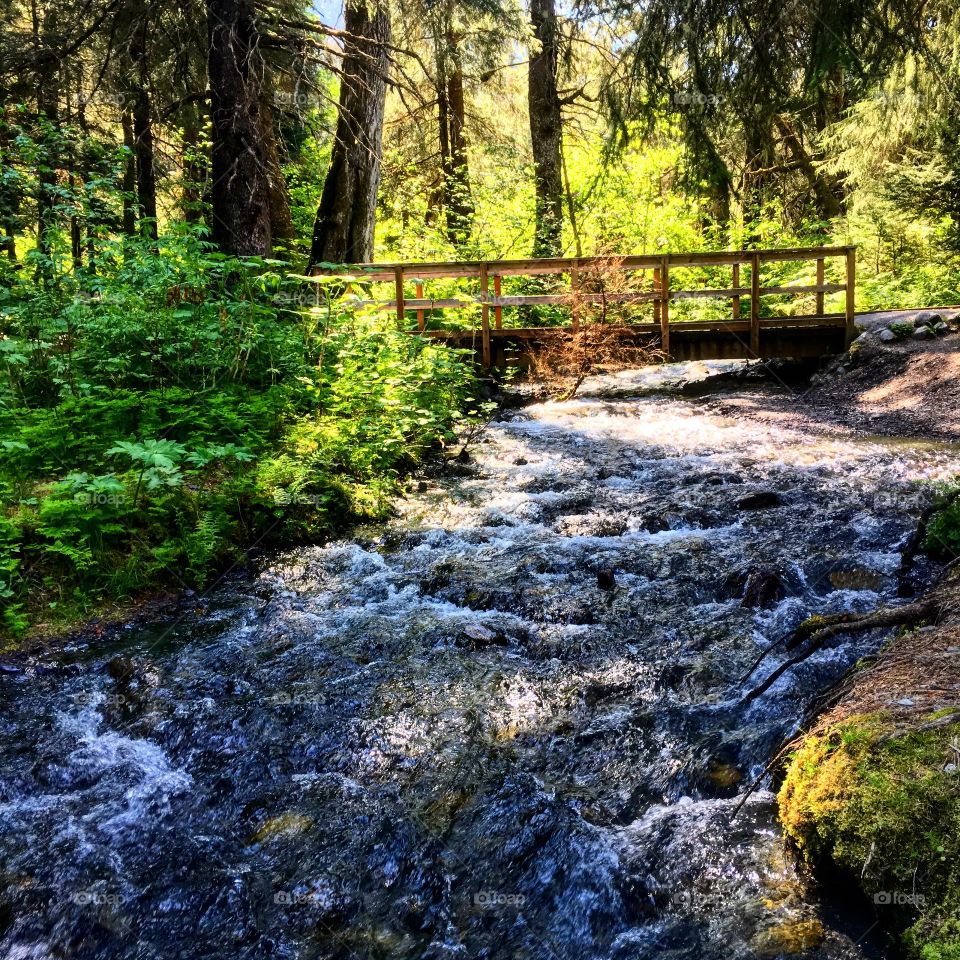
(458, 128)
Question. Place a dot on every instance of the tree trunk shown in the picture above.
(143, 152)
(458, 198)
(281, 220)
(827, 202)
(129, 185)
(47, 104)
(240, 190)
(756, 176)
(143, 132)
(347, 214)
(9, 208)
(546, 130)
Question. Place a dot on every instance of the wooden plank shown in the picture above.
(485, 315)
(451, 303)
(819, 289)
(851, 302)
(656, 292)
(420, 315)
(700, 294)
(755, 304)
(736, 296)
(665, 305)
(498, 310)
(574, 297)
(398, 286)
(377, 272)
(821, 276)
(679, 329)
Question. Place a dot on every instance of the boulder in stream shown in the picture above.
(760, 500)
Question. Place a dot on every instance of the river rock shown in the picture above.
(925, 319)
(606, 580)
(760, 500)
(476, 636)
(887, 336)
(120, 668)
(764, 589)
(923, 333)
(941, 329)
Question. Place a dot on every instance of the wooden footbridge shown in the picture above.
(582, 290)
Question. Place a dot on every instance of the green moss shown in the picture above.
(886, 809)
(902, 330)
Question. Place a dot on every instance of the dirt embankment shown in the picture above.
(874, 787)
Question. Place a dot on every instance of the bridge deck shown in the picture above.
(596, 283)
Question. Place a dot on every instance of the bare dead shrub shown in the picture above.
(602, 341)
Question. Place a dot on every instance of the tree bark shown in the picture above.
(828, 204)
(347, 214)
(129, 185)
(281, 220)
(458, 195)
(240, 189)
(546, 130)
(143, 152)
(143, 130)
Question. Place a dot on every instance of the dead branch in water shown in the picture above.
(817, 630)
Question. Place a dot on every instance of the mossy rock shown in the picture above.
(885, 808)
(790, 938)
(902, 330)
(288, 824)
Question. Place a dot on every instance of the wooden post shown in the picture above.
(665, 304)
(821, 305)
(498, 310)
(420, 321)
(485, 314)
(574, 294)
(656, 290)
(398, 286)
(736, 296)
(851, 310)
(755, 305)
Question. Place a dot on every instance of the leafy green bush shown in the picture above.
(175, 406)
(943, 529)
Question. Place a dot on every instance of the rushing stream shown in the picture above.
(507, 725)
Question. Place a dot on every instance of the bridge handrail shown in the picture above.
(661, 295)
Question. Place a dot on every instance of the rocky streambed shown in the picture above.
(509, 724)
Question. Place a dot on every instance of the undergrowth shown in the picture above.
(172, 408)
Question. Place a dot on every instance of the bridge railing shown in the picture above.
(660, 293)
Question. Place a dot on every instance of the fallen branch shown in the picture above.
(817, 630)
